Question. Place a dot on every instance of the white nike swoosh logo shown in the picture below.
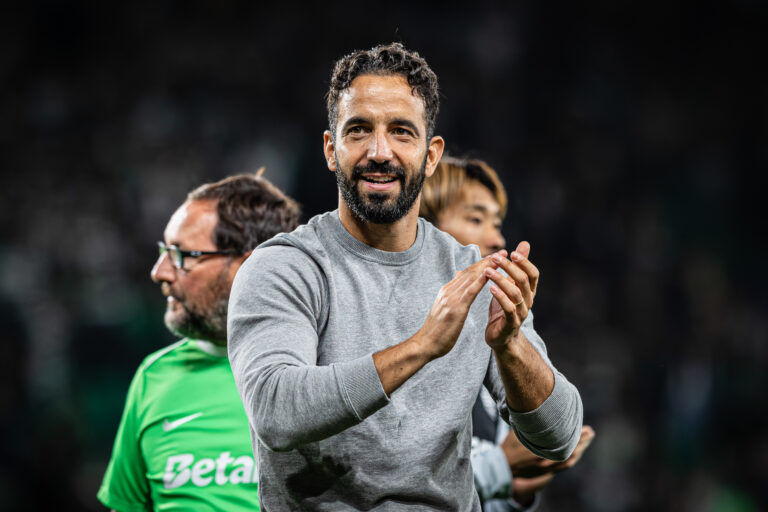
(170, 425)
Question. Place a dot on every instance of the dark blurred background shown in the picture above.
(631, 137)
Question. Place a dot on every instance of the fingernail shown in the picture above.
(496, 258)
(516, 256)
(489, 272)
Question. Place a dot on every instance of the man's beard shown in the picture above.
(378, 208)
(209, 325)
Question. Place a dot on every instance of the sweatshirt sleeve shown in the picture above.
(552, 430)
(277, 308)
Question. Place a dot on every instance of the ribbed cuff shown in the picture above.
(359, 381)
(549, 414)
(552, 430)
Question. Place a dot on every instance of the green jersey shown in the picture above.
(183, 441)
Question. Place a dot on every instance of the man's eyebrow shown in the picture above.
(406, 123)
(353, 121)
(482, 209)
(476, 207)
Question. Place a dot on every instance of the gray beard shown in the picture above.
(212, 327)
(208, 325)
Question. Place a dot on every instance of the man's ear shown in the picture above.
(329, 149)
(434, 154)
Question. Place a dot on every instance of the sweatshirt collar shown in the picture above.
(365, 251)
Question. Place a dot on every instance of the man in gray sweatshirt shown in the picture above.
(360, 341)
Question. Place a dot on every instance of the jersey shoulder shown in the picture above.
(169, 354)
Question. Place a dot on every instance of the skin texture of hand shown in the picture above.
(513, 295)
(532, 473)
(446, 318)
(528, 380)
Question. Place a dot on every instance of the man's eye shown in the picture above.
(475, 220)
(356, 130)
(401, 131)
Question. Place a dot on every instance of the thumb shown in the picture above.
(524, 248)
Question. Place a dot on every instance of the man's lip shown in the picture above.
(370, 176)
(379, 175)
(379, 186)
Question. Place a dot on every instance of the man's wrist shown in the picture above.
(512, 348)
(424, 346)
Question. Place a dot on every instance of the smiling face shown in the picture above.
(379, 151)
(474, 219)
(198, 293)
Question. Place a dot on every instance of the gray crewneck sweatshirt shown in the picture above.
(307, 311)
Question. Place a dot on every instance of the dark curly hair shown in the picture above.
(390, 59)
(250, 209)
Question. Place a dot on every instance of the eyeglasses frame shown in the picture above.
(189, 254)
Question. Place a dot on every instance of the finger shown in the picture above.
(524, 248)
(488, 261)
(468, 274)
(465, 286)
(519, 276)
(472, 289)
(507, 309)
(529, 268)
(504, 302)
(515, 301)
(507, 285)
(464, 278)
(475, 271)
(587, 435)
(584, 441)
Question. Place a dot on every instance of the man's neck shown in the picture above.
(395, 237)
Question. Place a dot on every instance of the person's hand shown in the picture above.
(446, 318)
(526, 464)
(532, 473)
(513, 294)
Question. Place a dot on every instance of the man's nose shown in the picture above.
(379, 150)
(495, 240)
(163, 270)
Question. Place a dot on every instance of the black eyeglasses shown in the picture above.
(177, 255)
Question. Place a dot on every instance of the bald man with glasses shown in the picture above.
(183, 440)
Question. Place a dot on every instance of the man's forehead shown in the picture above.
(478, 198)
(193, 222)
(381, 95)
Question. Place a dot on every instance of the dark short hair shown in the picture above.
(250, 209)
(390, 59)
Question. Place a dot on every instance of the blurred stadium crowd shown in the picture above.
(630, 137)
